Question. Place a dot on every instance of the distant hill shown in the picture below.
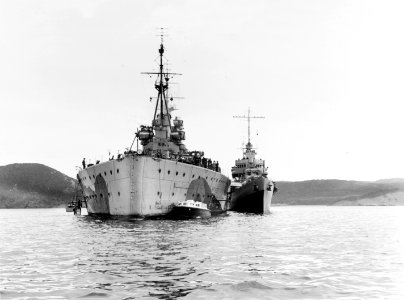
(396, 181)
(340, 192)
(34, 186)
(37, 186)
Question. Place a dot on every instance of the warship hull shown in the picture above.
(145, 186)
(254, 196)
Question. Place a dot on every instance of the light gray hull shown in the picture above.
(146, 186)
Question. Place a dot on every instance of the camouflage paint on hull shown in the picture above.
(145, 186)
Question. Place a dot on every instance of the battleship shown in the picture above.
(148, 182)
(251, 191)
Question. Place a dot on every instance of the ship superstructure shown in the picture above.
(251, 190)
(249, 166)
(150, 181)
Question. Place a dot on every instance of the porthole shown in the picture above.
(109, 194)
(206, 177)
(172, 194)
(183, 175)
(110, 172)
(199, 177)
(168, 172)
(94, 176)
(159, 170)
(176, 173)
(119, 193)
(117, 170)
(101, 195)
(158, 193)
(105, 173)
(193, 175)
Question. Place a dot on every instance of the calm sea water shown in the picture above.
(299, 252)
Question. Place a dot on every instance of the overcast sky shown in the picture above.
(327, 75)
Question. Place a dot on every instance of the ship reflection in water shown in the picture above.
(151, 255)
(293, 253)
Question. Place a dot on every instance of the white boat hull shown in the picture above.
(146, 186)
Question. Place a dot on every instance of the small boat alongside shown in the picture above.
(190, 209)
(77, 203)
(75, 207)
(70, 207)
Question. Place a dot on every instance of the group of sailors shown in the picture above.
(201, 162)
(196, 160)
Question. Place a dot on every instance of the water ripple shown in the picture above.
(295, 252)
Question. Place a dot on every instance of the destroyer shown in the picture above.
(251, 191)
(151, 181)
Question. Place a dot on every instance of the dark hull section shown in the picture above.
(251, 203)
(253, 197)
(188, 213)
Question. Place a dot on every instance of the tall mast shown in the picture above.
(248, 117)
(249, 126)
(161, 86)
